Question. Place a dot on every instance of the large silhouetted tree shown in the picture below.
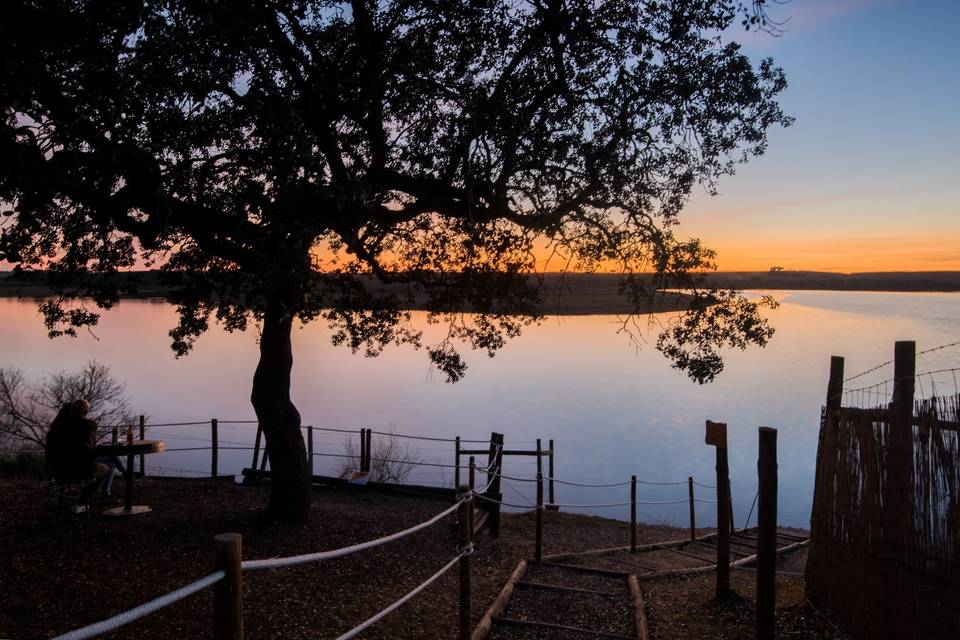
(275, 158)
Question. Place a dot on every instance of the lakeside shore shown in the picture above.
(597, 294)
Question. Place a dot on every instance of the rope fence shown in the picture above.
(229, 576)
(145, 609)
(465, 550)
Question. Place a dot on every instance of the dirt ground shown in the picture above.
(60, 571)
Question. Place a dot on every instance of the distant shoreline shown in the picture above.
(594, 294)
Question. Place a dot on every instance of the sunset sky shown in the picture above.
(867, 178)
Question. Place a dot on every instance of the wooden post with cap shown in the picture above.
(143, 436)
(310, 449)
(716, 435)
(214, 466)
(633, 514)
(465, 529)
(456, 462)
(228, 592)
(538, 548)
(766, 533)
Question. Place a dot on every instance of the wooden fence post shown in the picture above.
(553, 497)
(213, 448)
(693, 512)
(730, 500)
(767, 534)
(256, 448)
(465, 527)
(143, 436)
(456, 462)
(310, 448)
(633, 514)
(717, 436)
(266, 454)
(473, 487)
(835, 384)
(363, 449)
(115, 436)
(496, 468)
(900, 489)
(538, 546)
(369, 449)
(228, 592)
(904, 377)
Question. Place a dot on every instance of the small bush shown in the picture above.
(392, 460)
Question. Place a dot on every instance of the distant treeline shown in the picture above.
(581, 293)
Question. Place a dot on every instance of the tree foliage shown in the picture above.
(247, 146)
(274, 157)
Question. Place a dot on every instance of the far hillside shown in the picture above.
(580, 293)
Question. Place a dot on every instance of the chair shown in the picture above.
(58, 486)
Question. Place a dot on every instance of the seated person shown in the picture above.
(70, 450)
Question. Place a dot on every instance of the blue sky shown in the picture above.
(867, 177)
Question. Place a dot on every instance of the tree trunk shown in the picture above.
(280, 421)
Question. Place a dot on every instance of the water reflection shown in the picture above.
(612, 410)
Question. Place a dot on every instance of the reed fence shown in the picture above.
(885, 546)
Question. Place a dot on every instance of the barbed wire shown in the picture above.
(889, 362)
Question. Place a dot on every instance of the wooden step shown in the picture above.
(557, 627)
(556, 587)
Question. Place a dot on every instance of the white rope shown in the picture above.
(274, 563)
(486, 488)
(147, 608)
(396, 605)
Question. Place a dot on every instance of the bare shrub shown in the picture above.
(26, 409)
(392, 458)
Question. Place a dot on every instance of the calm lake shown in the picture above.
(613, 410)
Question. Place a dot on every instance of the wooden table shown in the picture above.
(136, 448)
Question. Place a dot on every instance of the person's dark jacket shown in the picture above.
(70, 450)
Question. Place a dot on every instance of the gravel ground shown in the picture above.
(685, 609)
(61, 571)
(581, 610)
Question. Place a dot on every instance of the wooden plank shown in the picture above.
(640, 614)
(791, 536)
(640, 548)
(631, 564)
(582, 569)
(689, 555)
(479, 519)
(558, 587)
(669, 573)
(558, 627)
(711, 549)
(486, 622)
